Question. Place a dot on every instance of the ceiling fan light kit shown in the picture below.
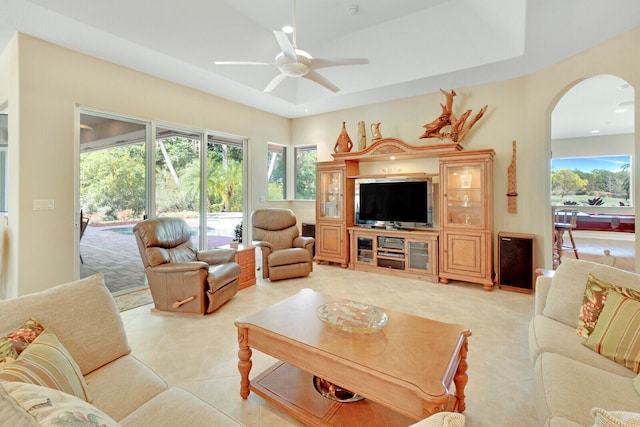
(295, 63)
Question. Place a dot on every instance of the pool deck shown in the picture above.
(115, 254)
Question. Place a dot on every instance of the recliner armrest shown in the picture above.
(217, 256)
(265, 246)
(303, 242)
(176, 267)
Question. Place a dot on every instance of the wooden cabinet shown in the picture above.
(334, 210)
(466, 217)
(411, 254)
(246, 257)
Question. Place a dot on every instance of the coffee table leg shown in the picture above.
(461, 378)
(244, 362)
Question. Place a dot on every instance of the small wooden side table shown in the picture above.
(246, 257)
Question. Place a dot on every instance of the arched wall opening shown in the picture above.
(592, 158)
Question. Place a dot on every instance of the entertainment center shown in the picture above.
(411, 254)
(385, 223)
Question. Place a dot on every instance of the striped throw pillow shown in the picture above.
(47, 363)
(617, 332)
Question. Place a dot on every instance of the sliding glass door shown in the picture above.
(113, 197)
(224, 192)
(178, 167)
(125, 178)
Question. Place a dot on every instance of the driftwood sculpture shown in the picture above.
(456, 126)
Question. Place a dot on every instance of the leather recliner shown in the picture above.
(181, 278)
(285, 254)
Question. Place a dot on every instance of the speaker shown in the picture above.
(516, 270)
(309, 230)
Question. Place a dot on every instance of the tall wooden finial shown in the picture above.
(512, 195)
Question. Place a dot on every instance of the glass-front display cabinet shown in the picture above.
(331, 194)
(334, 211)
(466, 217)
(365, 249)
(464, 190)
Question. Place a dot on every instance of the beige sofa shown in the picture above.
(85, 319)
(571, 379)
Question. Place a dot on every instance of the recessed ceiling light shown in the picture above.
(595, 131)
(288, 29)
(621, 110)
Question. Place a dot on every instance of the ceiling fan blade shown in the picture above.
(243, 63)
(274, 83)
(317, 63)
(285, 45)
(318, 78)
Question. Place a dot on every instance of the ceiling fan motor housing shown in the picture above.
(291, 67)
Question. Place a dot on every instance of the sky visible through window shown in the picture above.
(610, 163)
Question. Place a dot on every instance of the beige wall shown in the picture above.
(518, 110)
(619, 56)
(53, 80)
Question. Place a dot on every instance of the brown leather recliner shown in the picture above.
(285, 254)
(181, 278)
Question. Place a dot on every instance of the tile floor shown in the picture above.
(199, 353)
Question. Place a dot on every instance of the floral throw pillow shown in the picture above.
(13, 344)
(595, 296)
(23, 404)
(605, 418)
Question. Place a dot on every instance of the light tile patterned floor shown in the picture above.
(199, 353)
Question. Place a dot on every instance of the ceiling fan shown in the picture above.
(294, 62)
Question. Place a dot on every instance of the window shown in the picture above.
(305, 172)
(276, 172)
(591, 181)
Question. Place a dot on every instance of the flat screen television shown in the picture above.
(402, 204)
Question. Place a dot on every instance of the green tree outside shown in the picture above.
(113, 180)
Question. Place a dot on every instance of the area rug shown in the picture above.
(133, 299)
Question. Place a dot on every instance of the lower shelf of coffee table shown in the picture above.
(291, 389)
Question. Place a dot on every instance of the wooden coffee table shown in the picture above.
(404, 371)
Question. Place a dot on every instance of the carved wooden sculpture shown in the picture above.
(457, 129)
(512, 195)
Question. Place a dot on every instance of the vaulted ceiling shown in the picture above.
(414, 46)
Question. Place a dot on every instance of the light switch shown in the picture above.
(43, 205)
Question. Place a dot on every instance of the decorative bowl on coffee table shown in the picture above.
(352, 316)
